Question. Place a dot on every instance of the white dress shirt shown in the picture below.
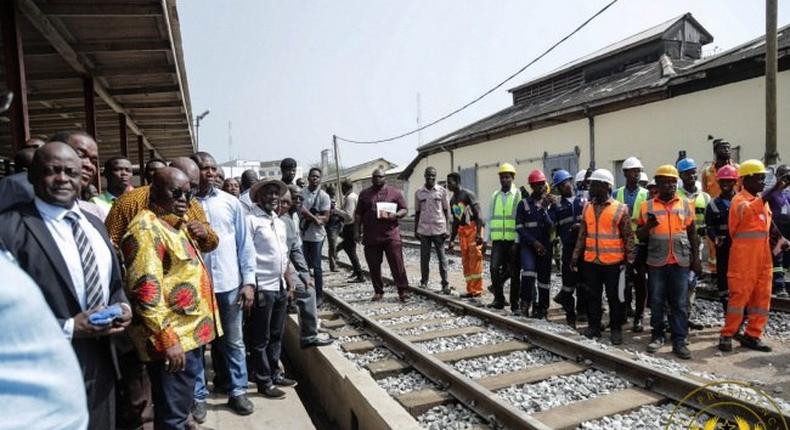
(60, 229)
(269, 238)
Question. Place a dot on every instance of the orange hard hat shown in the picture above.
(536, 176)
(727, 172)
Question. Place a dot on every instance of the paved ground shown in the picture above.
(287, 413)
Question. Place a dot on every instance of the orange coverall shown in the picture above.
(471, 257)
(751, 265)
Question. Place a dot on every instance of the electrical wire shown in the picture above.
(477, 99)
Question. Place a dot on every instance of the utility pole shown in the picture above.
(770, 82)
(338, 192)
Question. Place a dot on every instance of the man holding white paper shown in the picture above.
(376, 225)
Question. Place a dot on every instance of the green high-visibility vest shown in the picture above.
(503, 222)
(700, 200)
(641, 196)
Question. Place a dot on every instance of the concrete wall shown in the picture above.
(654, 132)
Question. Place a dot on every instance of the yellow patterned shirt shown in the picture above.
(168, 286)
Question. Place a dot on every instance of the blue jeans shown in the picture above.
(312, 253)
(669, 283)
(172, 392)
(231, 345)
(535, 266)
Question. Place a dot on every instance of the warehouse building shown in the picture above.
(650, 95)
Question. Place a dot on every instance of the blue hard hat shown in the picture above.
(686, 164)
(560, 176)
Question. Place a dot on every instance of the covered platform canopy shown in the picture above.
(114, 68)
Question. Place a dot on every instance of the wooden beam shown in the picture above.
(90, 106)
(132, 91)
(79, 63)
(141, 158)
(92, 10)
(55, 95)
(153, 105)
(134, 70)
(15, 72)
(123, 45)
(123, 135)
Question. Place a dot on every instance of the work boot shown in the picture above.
(681, 351)
(497, 304)
(694, 325)
(782, 293)
(570, 319)
(616, 336)
(725, 343)
(638, 328)
(591, 333)
(755, 344)
(377, 297)
(656, 342)
(565, 300)
(403, 296)
(357, 279)
(468, 295)
(524, 309)
(424, 285)
(447, 290)
(199, 411)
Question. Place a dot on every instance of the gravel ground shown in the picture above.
(465, 321)
(363, 360)
(710, 314)
(650, 417)
(489, 337)
(559, 391)
(482, 367)
(404, 383)
(442, 313)
(449, 417)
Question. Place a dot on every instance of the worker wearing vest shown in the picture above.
(567, 216)
(722, 153)
(717, 218)
(607, 243)
(749, 274)
(666, 223)
(501, 234)
(533, 226)
(780, 208)
(632, 194)
(687, 169)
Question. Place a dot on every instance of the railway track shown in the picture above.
(422, 336)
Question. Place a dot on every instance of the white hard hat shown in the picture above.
(632, 163)
(580, 176)
(643, 177)
(602, 175)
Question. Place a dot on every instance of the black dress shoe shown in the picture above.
(282, 381)
(272, 392)
(638, 327)
(681, 351)
(241, 405)
(199, 411)
(496, 305)
(694, 325)
(616, 337)
(591, 333)
(318, 342)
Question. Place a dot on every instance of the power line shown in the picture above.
(496, 87)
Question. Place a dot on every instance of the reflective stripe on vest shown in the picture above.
(669, 236)
(603, 243)
(641, 196)
(503, 222)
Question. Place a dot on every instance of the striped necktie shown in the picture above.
(90, 269)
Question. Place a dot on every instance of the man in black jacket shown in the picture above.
(68, 254)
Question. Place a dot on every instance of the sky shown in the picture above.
(290, 74)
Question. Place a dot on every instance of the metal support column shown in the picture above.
(123, 135)
(591, 123)
(141, 157)
(90, 106)
(15, 72)
(771, 65)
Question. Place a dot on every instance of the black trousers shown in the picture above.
(572, 283)
(134, 404)
(173, 393)
(98, 372)
(350, 247)
(598, 277)
(636, 284)
(505, 263)
(265, 329)
(722, 265)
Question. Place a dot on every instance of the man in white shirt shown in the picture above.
(314, 213)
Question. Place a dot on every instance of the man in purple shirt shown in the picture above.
(432, 211)
(780, 206)
(376, 221)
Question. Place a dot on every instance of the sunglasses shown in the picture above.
(178, 193)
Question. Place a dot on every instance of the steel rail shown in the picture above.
(675, 387)
(484, 402)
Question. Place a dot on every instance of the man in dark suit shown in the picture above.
(68, 254)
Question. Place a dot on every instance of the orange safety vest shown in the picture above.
(669, 238)
(604, 243)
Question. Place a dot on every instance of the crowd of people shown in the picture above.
(642, 244)
(141, 280)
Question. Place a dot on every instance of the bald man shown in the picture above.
(23, 159)
(68, 254)
(162, 261)
(130, 204)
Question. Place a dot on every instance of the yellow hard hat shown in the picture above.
(667, 170)
(751, 167)
(507, 168)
